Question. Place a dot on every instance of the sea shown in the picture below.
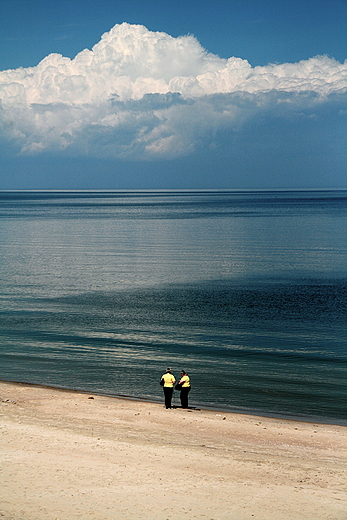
(244, 290)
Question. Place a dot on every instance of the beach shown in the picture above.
(69, 455)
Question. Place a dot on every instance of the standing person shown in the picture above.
(168, 381)
(185, 388)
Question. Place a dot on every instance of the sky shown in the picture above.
(242, 94)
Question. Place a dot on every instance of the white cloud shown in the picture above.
(143, 94)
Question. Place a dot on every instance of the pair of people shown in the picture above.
(168, 381)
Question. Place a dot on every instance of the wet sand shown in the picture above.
(68, 455)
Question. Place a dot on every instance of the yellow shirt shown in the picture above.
(185, 381)
(169, 380)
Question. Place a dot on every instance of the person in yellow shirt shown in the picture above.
(168, 381)
(184, 382)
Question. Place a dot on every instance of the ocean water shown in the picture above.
(245, 290)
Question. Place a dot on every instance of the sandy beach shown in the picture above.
(68, 455)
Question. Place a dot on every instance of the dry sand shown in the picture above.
(69, 456)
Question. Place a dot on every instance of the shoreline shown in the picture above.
(70, 455)
(253, 413)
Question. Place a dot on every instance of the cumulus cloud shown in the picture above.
(140, 94)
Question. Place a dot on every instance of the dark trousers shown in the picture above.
(184, 396)
(168, 391)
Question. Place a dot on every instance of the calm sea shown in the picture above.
(245, 290)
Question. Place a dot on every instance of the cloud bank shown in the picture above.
(139, 94)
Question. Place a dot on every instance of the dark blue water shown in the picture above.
(246, 291)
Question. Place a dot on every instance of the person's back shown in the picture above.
(169, 380)
(185, 381)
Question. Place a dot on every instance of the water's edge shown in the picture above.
(255, 413)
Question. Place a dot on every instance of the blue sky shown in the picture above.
(147, 108)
